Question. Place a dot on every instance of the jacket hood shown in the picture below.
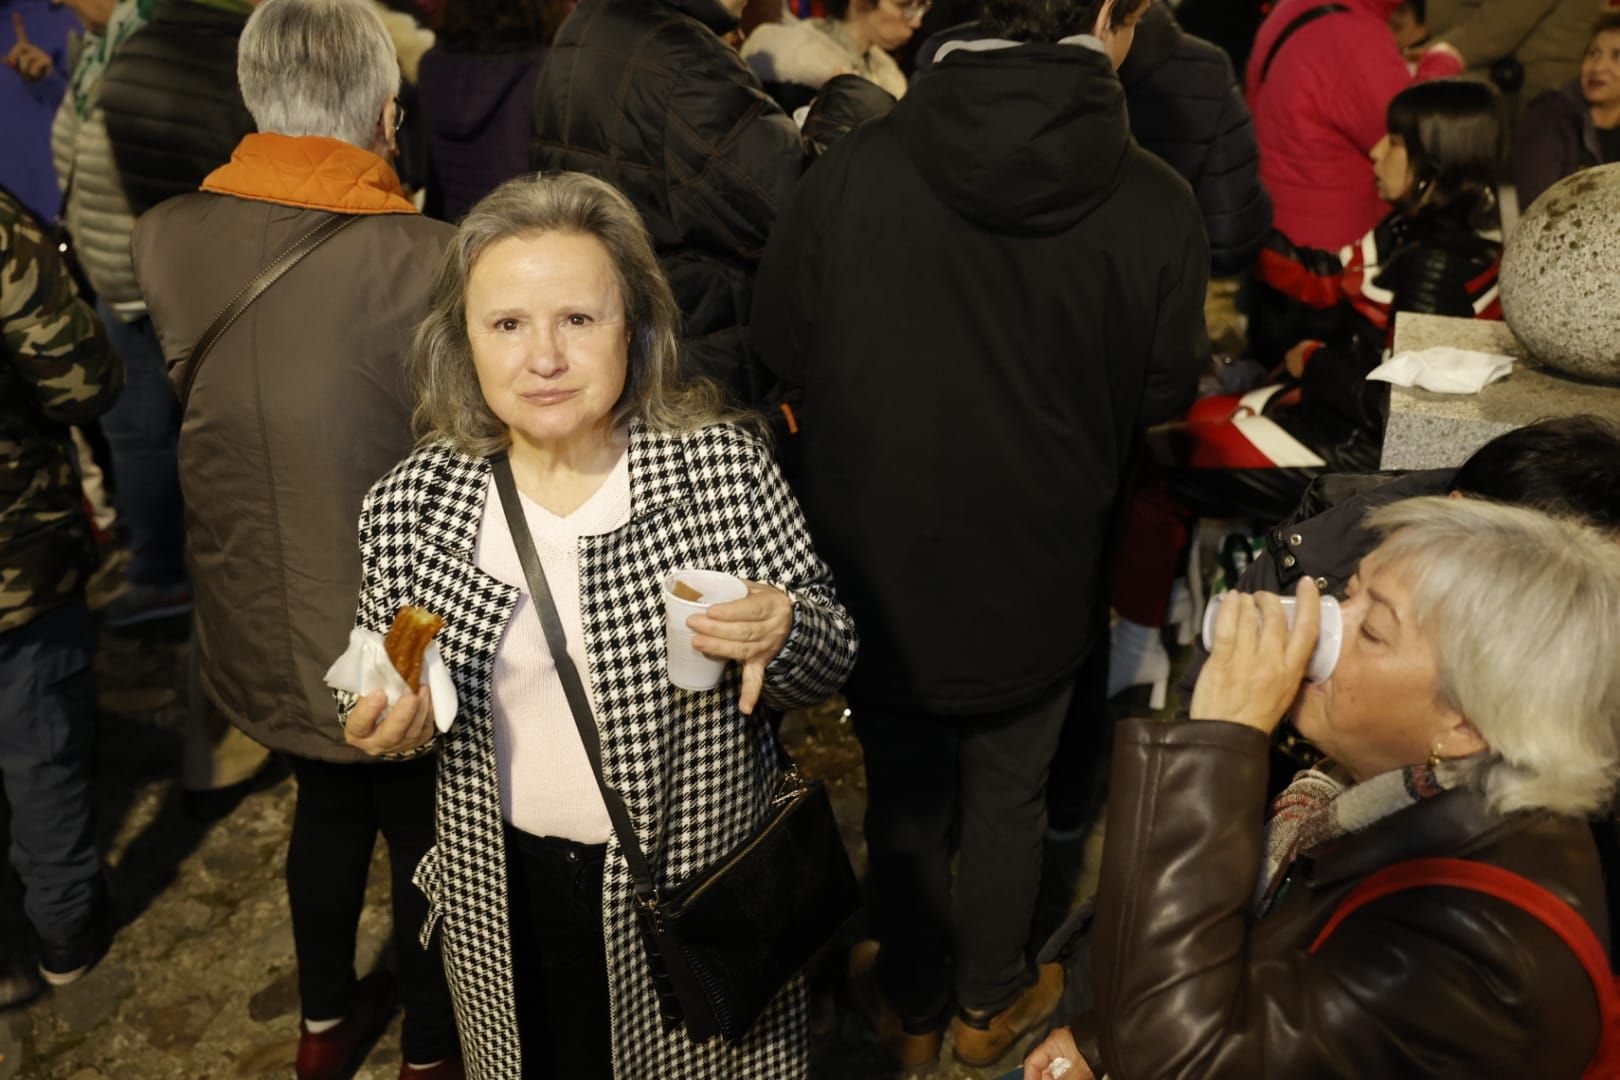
(1157, 35)
(310, 171)
(1028, 139)
(471, 87)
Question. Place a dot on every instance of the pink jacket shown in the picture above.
(1321, 110)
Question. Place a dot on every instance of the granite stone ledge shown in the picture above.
(1436, 431)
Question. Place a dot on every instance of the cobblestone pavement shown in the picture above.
(200, 982)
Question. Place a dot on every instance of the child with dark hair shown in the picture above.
(1437, 252)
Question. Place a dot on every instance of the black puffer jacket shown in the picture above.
(1185, 106)
(985, 295)
(174, 113)
(645, 94)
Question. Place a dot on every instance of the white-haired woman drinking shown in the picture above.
(1471, 719)
(298, 409)
(551, 349)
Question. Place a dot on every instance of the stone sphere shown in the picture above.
(1561, 276)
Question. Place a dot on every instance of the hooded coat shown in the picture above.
(1185, 106)
(985, 295)
(477, 107)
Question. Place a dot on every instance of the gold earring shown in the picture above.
(1434, 755)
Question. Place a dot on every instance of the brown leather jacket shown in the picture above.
(300, 408)
(1431, 982)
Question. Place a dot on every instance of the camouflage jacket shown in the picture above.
(55, 370)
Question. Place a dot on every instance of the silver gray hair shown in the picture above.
(450, 405)
(317, 67)
(1523, 613)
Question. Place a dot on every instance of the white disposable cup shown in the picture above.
(1329, 633)
(688, 668)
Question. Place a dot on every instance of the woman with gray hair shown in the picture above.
(1399, 914)
(549, 364)
(300, 405)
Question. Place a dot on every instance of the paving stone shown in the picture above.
(88, 1002)
(278, 999)
(13, 1045)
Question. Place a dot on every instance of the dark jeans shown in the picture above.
(142, 430)
(924, 774)
(47, 736)
(339, 812)
(559, 962)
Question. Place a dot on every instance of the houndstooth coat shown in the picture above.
(695, 773)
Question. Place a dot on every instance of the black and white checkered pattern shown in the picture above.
(695, 773)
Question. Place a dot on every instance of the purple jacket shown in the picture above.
(26, 110)
(476, 108)
(1555, 138)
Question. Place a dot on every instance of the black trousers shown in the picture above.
(559, 961)
(340, 810)
(928, 778)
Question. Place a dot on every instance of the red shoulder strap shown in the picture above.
(1522, 893)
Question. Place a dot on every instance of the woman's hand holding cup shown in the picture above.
(407, 726)
(750, 631)
(1257, 661)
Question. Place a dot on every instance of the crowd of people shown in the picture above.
(508, 310)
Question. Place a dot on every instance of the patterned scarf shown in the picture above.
(1317, 807)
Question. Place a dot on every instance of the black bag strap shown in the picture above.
(1300, 20)
(254, 289)
(580, 705)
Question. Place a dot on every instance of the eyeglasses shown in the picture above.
(912, 9)
(399, 116)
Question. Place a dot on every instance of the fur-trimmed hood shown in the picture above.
(798, 51)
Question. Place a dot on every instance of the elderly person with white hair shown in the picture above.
(299, 406)
(1427, 901)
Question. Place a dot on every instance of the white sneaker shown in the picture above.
(1137, 657)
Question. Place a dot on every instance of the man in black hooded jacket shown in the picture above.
(985, 296)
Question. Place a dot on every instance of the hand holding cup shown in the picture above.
(751, 631)
(1257, 660)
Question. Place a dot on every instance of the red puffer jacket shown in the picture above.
(1321, 108)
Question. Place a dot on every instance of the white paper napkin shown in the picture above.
(364, 667)
(1444, 370)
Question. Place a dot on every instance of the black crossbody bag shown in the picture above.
(722, 944)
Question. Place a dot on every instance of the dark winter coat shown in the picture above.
(1556, 137)
(1186, 107)
(477, 109)
(645, 94)
(174, 113)
(985, 295)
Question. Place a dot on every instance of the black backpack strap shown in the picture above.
(1302, 19)
(254, 289)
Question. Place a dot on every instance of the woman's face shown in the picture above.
(546, 324)
(889, 23)
(1381, 708)
(1391, 168)
(1600, 70)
